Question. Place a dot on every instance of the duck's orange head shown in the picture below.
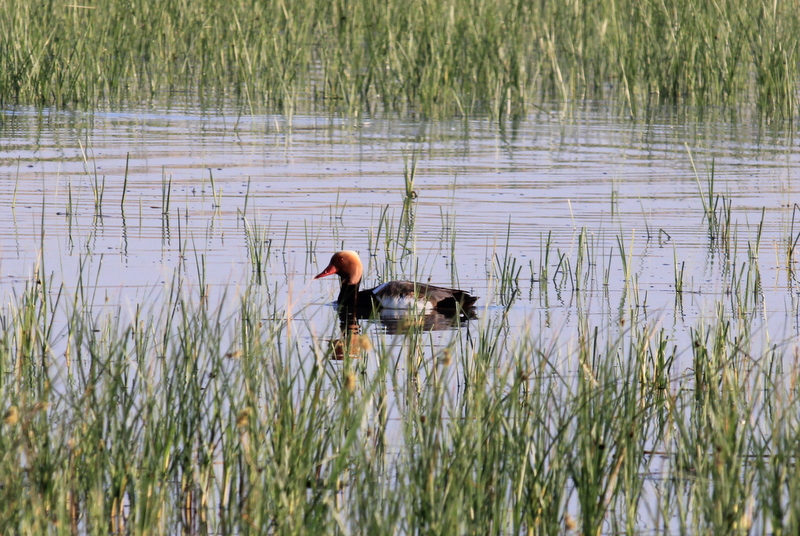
(347, 265)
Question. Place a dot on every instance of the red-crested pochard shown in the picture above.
(392, 295)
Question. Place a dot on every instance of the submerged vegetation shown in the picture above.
(439, 58)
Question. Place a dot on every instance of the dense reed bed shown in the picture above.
(437, 58)
(196, 417)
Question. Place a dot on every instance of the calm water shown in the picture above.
(487, 194)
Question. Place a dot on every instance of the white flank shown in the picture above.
(405, 302)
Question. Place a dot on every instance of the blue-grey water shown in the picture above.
(487, 194)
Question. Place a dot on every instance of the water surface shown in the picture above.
(486, 194)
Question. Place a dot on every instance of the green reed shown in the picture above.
(505, 273)
(444, 58)
(176, 420)
(190, 415)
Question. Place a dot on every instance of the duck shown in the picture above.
(393, 295)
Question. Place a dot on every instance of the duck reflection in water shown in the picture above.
(355, 344)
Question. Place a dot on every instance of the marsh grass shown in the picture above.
(449, 58)
(505, 272)
(188, 415)
(185, 415)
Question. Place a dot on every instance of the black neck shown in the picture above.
(348, 296)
